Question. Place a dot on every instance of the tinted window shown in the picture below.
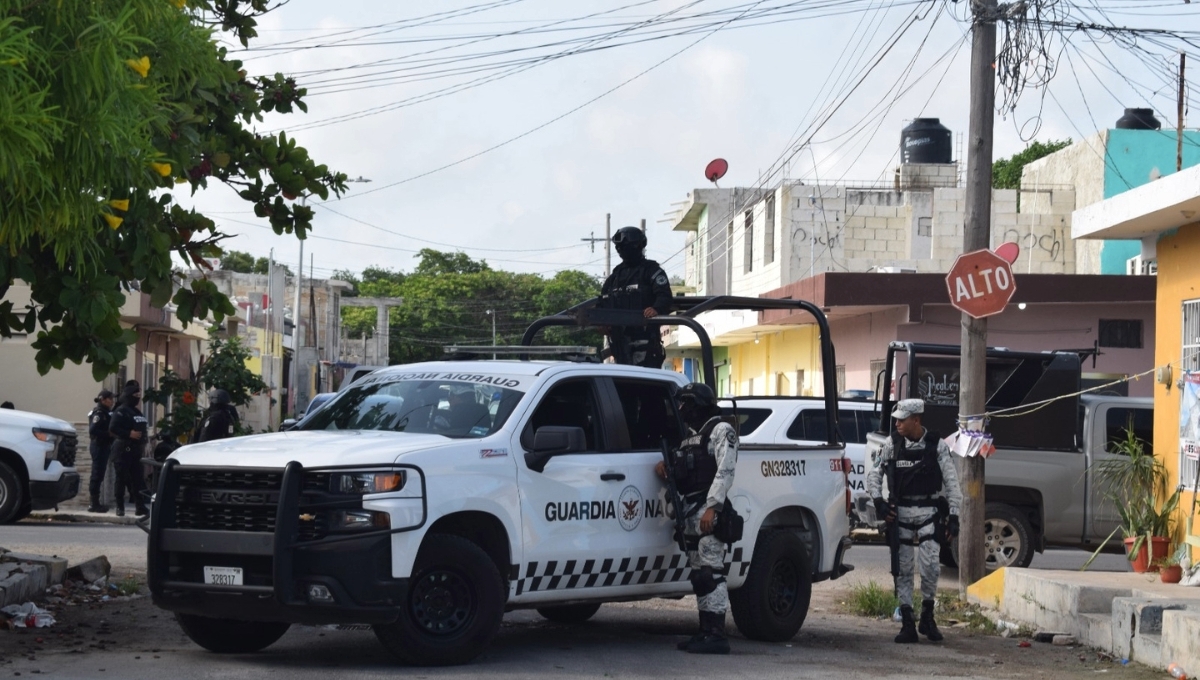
(1140, 420)
(571, 404)
(868, 421)
(810, 425)
(749, 419)
(649, 413)
(447, 407)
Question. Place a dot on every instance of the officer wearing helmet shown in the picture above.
(702, 468)
(921, 477)
(637, 283)
(221, 418)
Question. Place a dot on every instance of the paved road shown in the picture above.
(125, 547)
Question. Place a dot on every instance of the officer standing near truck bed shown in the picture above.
(702, 467)
(920, 473)
(639, 284)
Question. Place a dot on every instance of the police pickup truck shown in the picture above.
(428, 499)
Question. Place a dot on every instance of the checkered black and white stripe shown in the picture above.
(568, 574)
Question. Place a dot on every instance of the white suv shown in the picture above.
(801, 420)
(37, 463)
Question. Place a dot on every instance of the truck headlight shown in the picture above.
(50, 437)
(367, 482)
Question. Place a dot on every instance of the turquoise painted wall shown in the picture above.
(1133, 158)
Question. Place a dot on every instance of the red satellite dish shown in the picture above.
(716, 169)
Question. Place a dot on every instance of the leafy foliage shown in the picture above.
(244, 263)
(106, 106)
(447, 299)
(224, 367)
(1006, 172)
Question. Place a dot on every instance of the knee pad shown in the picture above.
(703, 581)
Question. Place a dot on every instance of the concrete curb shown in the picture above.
(79, 517)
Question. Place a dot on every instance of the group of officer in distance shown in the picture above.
(918, 461)
(119, 433)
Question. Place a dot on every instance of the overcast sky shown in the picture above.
(629, 130)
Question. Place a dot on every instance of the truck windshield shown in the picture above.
(452, 408)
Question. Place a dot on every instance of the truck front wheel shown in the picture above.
(455, 603)
(772, 603)
(10, 494)
(226, 636)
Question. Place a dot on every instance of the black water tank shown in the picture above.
(1138, 119)
(926, 140)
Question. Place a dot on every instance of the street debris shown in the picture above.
(91, 571)
(28, 615)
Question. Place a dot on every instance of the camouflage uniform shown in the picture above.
(929, 550)
(710, 552)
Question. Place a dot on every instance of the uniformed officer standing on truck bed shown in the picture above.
(702, 468)
(637, 283)
(921, 477)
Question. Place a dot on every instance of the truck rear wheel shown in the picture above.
(570, 613)
(10, 494)
(1007, 539)
(773, 602)
(226, 636)
(454, 606)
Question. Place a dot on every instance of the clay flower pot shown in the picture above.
(1172, 573)
(1148, 554)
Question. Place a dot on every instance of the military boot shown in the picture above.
(683, 646)
(908, 628)
(120, 507)
(714, 640)
(95, 505)
(927, 626)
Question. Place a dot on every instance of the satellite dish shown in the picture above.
(716, 170)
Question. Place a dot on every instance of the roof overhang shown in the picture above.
(1149, 210)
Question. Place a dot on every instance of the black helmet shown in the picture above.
(218, 397)
(630, 242)
(697, 395)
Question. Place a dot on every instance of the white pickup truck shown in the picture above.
(428, 499)
(37, 463)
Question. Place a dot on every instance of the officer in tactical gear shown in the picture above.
(129, 428)
(221, 419)
(924, 501)
(100, 446)
(702, 468)
(637, 283)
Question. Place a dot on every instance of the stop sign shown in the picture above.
(980, 283)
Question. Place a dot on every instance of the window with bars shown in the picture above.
(749, 227)
(1189, 361)
(1120, 333)
(769, 231)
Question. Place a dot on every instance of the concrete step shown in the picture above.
(1051, 602)
(1180, 631)
(1096, 630)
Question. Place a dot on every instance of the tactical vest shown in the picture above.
(694, 466)
(917, 472)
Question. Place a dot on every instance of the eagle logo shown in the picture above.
(631, 504)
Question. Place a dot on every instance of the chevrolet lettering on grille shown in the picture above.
(216, 497)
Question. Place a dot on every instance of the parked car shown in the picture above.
(37, 463)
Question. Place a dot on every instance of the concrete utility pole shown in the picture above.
(1182, 94)
(607, 244)
(976, 236)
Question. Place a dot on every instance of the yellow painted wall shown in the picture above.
(783, 352)
(1178, 280)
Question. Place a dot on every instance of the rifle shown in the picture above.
(674, 497)
(892, 533)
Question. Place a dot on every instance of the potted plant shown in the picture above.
(1169, 569)
(1134, 482)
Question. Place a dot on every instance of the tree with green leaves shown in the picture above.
(450, 298)
(244, 263)
(106, 107)
(1006, 172)
(224, 367)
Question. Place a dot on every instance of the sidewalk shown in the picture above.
(1133, 616)
(75, 510)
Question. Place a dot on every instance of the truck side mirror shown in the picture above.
(554, 440)
(287, 424)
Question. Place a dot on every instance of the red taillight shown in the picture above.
(846, 478)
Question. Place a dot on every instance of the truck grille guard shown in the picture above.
(264, 527)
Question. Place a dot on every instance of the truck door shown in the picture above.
(1109, 424)
(579, 513)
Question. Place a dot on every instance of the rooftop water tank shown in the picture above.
(926, 140)
(1138, 119)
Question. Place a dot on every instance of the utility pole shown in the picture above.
(293, 396)
(976, 236)
(492, 313)
(1182, 94)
